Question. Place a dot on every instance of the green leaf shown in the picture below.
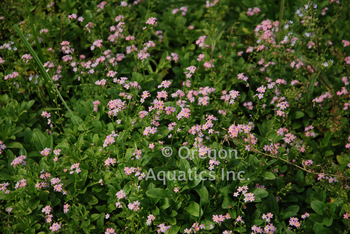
(4, 176)
(143, 11)
(95, 139)
(157, 193)
(300, 177)
(289, 232)
(222, 28)
(327, 221)
(311, 86)
(341, 160)
(325, 140)
(273, 204)
(49, 142)
(174, 229)
(94, 217)
(319, 229)
(39, 140)
(318, 207)
(14, 145)
(33, 203)
(205, 196)
(93, 201)
(100, 221)
(292, 208)
(269, 176)
(193, 209)
(288, 214)
(4, 99)
(297, 115)
(227, 203)
(259, 192)
(146, 159)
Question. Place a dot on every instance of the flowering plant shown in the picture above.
(149, 116)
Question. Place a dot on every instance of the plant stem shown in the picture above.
(280, 22)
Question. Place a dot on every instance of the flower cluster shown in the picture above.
(304, 216)
(272, 148)
(115, 106)
(102, 82)
(149, 130)
(267, 217)
(163, 228)
(110, 161)
(183, 9)
(134, 206)
(185, 112)
(195, 228)
(136, 170)
(231, 97)
(251, 11)
(152, 21)
(3, 187)
(110, 231)
(221, 218)
(294, 222)
(45, 152)
(26, 58)
(150, 218)
(11, 76)
(19, 160)
(47, 115)
(110, 139)
(239, 219)
(2, 146)
(190, 71)
(201, 40)
(75, 168)
(137, 153)
(66, 208)
(55, 227)
(101, 6)
(96, 103)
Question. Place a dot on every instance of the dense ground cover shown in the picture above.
(174, 116)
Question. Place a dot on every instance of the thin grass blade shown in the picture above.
(47, 77)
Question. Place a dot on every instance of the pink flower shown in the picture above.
(110, 231)
(152, 21)
(346, 216)
(46, 209)
(66, 208)
(55, 227)
(45, 152)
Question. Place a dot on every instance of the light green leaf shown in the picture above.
(269, 176)
(193, 209)
(157, 193)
